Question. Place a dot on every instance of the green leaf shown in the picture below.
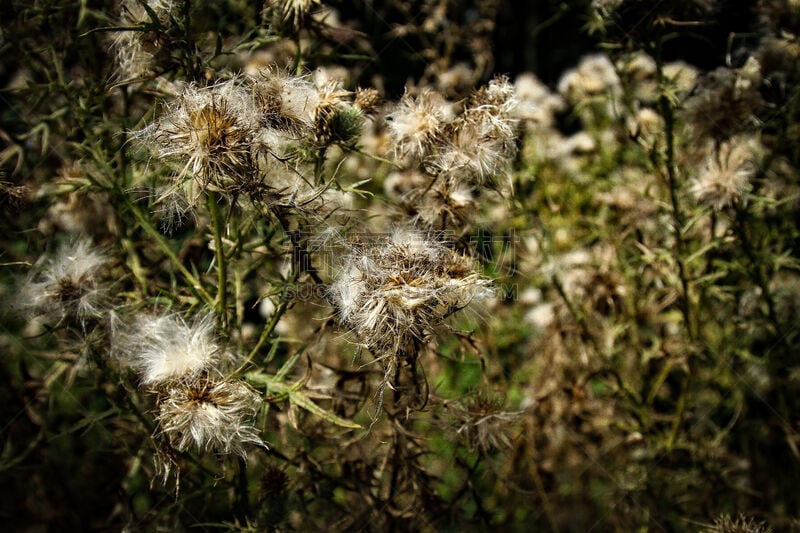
(301, 400)
(296, 397)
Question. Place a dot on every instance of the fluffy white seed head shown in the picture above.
(209, 415)
(167, 348)
(594, 76)
(396, 288)
(208, 130)
(285, 102)
(67, 284)
(417, 122)
(139, 52)
(725, 175)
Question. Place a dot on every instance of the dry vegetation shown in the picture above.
(247, 287)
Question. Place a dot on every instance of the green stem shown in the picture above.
(265, 335)
(222, 264)
(147, 226)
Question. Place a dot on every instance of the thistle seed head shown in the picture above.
(416, 124)
(725, 175)
(210, 130)
(68, 284)
(209, 414)
(395, 289)
(166, 348)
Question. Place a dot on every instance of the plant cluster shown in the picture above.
(250, 285)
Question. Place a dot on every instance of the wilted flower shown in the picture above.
(417, 122)
(393, 290)
(479, 144)
(594, 76)
(536, 103)
(67, 284)
(212, 415)
(482, 423)
(292, 12)
(209, 130)
(140, 52)
(725, 175)
(725, 102)
(168, 348)
(285, 102)
(447, 202)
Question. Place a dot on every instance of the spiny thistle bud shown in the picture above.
(334, 119)
(210, 414)
(394, 289)
(67, 284)
(367, 99)
(290, 12)
(168, 348)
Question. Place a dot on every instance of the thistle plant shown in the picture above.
(285, 265)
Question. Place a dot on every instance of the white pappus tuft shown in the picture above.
(167, 348)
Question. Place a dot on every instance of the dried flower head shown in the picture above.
(293, 12)
(416, 124)
(536, 103)
(367, 99)
(212, 415)
(479, 145)
(392, 290)
(69, 284)
(725, 102)
(168, 348)
(284, 102)
(594, 76)
(725, 174)
(741, 524)
(140, 52)
(482, 423)
(208, 130)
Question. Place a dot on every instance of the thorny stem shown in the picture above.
(265, 335)
(222, 265)
(756, 266)
(667, 113)
(242, 492)
(677, 215)
(194, 283)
